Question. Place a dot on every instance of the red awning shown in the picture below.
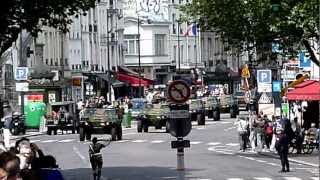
(308, 90)
(133, 80)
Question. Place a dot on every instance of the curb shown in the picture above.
(293, 160)
(27, 135)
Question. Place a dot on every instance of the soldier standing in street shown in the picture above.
(96, 159)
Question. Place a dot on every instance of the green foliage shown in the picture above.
(31, 15)
(255, 22)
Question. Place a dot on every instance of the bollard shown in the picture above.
(180, 159)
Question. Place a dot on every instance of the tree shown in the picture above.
(32, 15)
(247, 24)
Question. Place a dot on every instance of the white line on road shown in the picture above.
(314, 178)
(67, 140)
(225, 122)
(250, 158)
(234, 179)
(232, 144)
(213, 143)
(291, 178)
(139, 141)
(261, 161)
(157, 141)
(122, 141)
(33, 141)
(230, 128)
(195, 142)
(200, 128)
(76, 150)
(273, 164)
(125, 134)
(262, 178)
(49, 141)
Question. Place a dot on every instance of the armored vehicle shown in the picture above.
(100, 121)
(197, 111)
(61, 117)
(153, 115)
(212, 107)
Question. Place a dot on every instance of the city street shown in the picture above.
(142, 156)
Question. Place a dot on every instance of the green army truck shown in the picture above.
(153, 115)
(197, 111)
(100, 121)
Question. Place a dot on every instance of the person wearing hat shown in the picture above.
(95, 155)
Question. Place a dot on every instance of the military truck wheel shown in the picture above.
(200, 119)
(233, 114)
(88, 136)
(55, 131)
(81, 134)
(139, 126)
(210, 114)
(119, 132)
(216, 115)
(158, 125)
(145, 127)
(167, 127)
(113, 134)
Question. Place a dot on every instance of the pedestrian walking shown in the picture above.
(259, 124)
(95, 155)
(284, 135)
(268, 132)
(243, 131)
(253, 132)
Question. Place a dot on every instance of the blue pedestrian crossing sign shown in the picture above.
(21, 73)
(264, 76)
(276, 86)
(304, 62)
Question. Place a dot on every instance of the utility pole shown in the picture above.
(21, 64)
(139, 59)
(179, 56)
(108, 57)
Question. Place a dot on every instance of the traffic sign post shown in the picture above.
(179, 118)
(264, 76)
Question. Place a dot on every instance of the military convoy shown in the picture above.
(100, 120)
(197, 111)
(153, 115)
(212, 107)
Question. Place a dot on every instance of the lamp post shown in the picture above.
(139, 59)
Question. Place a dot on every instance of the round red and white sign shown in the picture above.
(178, 91)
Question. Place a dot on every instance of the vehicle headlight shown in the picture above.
(86, 123)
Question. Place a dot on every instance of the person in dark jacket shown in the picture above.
(96, 156)
(284, 135)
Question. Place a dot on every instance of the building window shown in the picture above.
(181, 54)
(189, 51)
(209, 48)
(47, 62)
(131, 43)
(174, 30)
(160, 44)
(72, 66)
(195, 52)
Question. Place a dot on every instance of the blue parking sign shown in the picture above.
(276, 86)
(264, 76)
(21, 73)
(304, 62)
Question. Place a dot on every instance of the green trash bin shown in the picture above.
(34, 111)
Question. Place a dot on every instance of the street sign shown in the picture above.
(178, 92)
(21, 73)
(264, 87)
(179, 120)
(180, 144)
(179, 114)
(22, 87)
(264, 76)
(304, 62)
(276, 86)
(265, 99)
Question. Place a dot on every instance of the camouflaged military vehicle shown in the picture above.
(100, 121)
(153, 115)
(212, 107)
(197, 111)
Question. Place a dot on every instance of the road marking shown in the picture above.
(33, 141)
(49, 141)
(230, 128)
(200, 128)
(262, 178)
(195, 142)
(234, 179)
(291, 178)
(125, 134)
(314, 178)
(122, 141)
(261, 161)
(157, 141)
(76, 150)
(232, 144)
(139, 141)
(225, 122)
(250, 158)
(273, 164)
(213, 143)
(67, 140)
(220, 146)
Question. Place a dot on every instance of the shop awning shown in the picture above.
(133, 80)
(308, 90)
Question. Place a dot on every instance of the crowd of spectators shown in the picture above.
(26, 161)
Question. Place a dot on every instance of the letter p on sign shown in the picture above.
(264, 76)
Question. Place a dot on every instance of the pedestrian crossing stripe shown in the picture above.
(157, 141)
(195, 142)
(49, 141)
(139, 141)
(67, 140)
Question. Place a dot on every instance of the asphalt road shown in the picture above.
(213, 155)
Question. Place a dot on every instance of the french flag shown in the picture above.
(191, 30)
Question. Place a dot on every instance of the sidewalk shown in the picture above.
(306, 159)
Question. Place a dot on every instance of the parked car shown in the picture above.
(153, 115)
(62, 117)
(100, 121)
(138, 104)
(197, 111)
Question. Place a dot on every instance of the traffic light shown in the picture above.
(29, 51)
(275, 4)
